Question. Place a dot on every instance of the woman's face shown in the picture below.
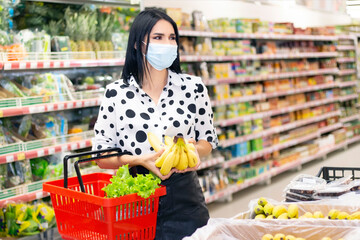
(163, 33)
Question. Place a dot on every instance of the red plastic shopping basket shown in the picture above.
(82, 211)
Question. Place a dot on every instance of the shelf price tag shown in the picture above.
(21, 156)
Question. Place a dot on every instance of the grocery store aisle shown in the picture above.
(241, 199)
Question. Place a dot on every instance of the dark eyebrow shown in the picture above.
(161, 34)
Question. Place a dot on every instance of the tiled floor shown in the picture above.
(240, 201)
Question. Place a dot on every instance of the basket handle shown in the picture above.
(76, 163)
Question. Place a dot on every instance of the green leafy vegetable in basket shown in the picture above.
(123, 184)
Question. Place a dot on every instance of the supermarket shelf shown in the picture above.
(195, 58)
(270, 76)
(277, 147)
(353, 140)
(348, 97)
(278, 129)
(350, 118)
(237, 187)
(56, 60)
(348, 37)
(90, 59)
(32, 191)
(346, 72)
(345, 48)
(240, 119)
(44, 147)
(347, 84)
(26, 197)
(30, 105)
(192, 33)
(257, 97)
(274, 172)
(123, 3)
(211, 162)
(345, 60)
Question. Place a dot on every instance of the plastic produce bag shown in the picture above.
(25, 126)
(231, 229)
(17, 173)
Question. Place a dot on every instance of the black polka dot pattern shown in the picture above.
(183, 109)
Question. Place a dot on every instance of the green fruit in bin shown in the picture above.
(38, 166)
(89, 80)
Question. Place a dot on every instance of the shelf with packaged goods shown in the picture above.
(258, 97)
(270, 76)
(347, 84)
(45, 147)
(240, 119)
(39, 104)
(346, 72)
(123, 3)
(346, 37)
(353, 140)
(294, 37)
(350, 118)
(61, 60)
(280, 56)
(275, 171)
(33, 191)
(90, 60)
(211, 162)
(278, 129)
(345, 48)
(348, 97)
(277, 147)
(345, 59)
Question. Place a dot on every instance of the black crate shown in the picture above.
(333, 173)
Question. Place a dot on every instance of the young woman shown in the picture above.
(154, 96)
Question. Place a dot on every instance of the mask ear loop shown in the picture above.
(145, 45)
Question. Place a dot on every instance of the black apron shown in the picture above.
(182, 210)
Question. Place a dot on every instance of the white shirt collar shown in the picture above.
(173, 77)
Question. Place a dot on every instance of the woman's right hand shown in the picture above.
(148, 162)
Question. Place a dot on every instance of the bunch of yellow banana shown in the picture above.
(178, 153)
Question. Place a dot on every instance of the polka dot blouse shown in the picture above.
(127, 113)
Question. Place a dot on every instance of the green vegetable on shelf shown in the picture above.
(123, 184)
(25, 126)
(39, 167)
(11, 87)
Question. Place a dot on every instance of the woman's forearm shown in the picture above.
(116, 162)
(203, 148)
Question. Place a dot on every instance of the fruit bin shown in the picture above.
(349, 205)
(83, 212)
(221, 228)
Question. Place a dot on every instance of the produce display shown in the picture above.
(281, 236)
(26, 219)
(123, 183)
(266, 210)
(178, 153)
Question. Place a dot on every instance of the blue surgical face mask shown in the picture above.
(161, 56)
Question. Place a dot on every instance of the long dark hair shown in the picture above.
(141, 27)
